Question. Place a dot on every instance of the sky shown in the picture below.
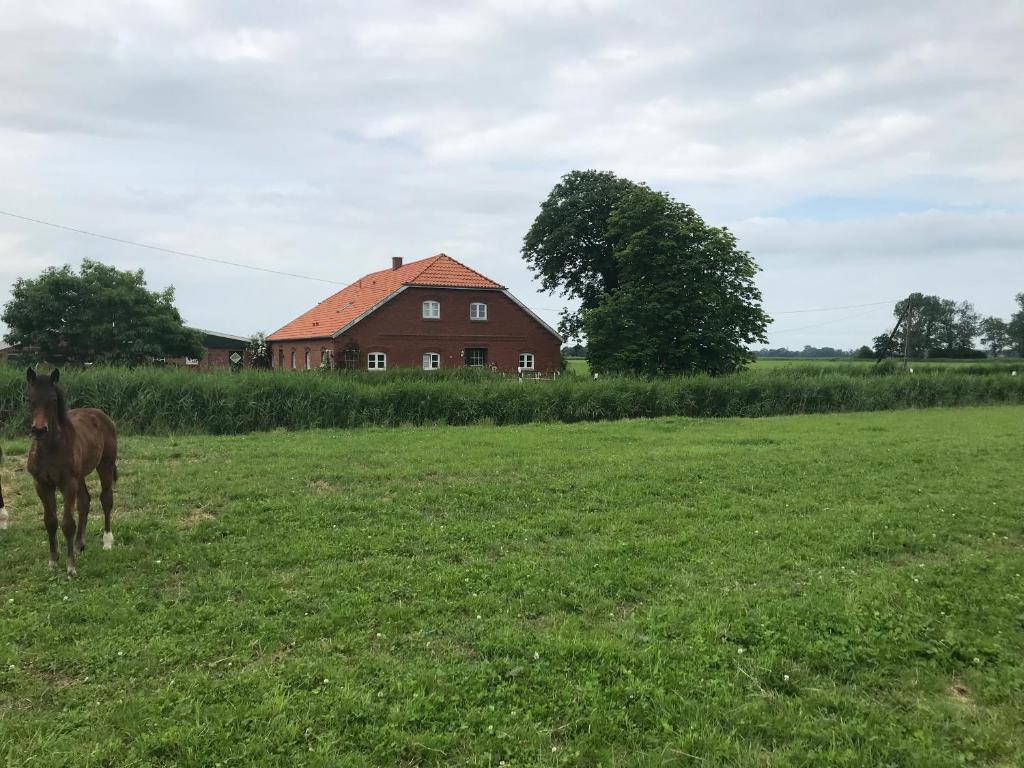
(859, 151)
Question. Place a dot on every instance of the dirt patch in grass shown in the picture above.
(959, 693)
(322, 486)
(198, 515)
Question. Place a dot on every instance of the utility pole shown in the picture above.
(906, 332)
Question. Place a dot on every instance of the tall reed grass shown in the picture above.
(161, 401)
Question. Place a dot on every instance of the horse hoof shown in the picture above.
(108, 540)
(72, 573)
(52, 564)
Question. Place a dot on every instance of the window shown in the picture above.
(477, 311)
(350, 359)
(325, 358)
(526, 361)
(431, 310)
(280, 358)
(476, 357)
(376, 361)
(431, 361)
(308, 366)
(293, 359)
(191, 361)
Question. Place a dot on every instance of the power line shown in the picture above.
(210, 259)
(826, 322)
(832, 309)
(168, 250)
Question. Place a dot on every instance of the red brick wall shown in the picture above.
(399, 330)
(212, 358)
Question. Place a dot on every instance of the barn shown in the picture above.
(433, 313)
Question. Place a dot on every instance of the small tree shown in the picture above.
(864, 353)
(1015, 328)
(259, 351)
(995, 335)
(101, 314)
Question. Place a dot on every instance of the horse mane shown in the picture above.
(62, 405)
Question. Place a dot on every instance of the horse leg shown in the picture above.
(106, 473)
(83, 515)
(48, 495)
(4, 517)
(67, 524)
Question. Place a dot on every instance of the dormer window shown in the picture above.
(431, 310)
(477, 311)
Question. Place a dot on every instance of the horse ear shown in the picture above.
(30, 374)
(55, 376)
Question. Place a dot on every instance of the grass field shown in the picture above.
(839, 590)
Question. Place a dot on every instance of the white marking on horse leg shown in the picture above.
(72, 572)
(4, 517)
(108, 540)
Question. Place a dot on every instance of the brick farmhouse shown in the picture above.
(433, 313)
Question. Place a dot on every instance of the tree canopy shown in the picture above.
(100, 314)
(936, 327)
(660, 290)
(1015, 328)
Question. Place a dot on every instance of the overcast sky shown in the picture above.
(860, 151)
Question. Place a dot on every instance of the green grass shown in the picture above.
(841, 590)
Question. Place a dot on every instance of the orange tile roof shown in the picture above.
(334, 313)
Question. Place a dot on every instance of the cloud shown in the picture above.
(325, 138)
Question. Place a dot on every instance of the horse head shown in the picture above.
(45, 403)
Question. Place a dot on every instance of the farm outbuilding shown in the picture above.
(430, 314)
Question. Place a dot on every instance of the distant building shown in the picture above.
(433, 313)
(222, 351)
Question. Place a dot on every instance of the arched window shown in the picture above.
(293, 359)
(280, 357)
(431, 310)
(308, 366)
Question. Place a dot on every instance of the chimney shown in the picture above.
(396, 262)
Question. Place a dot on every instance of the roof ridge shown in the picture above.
(427, 264)
(475, 272)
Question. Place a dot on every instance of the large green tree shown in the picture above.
(100, 314)
(935, 326)
(570, 246)
(660, 290)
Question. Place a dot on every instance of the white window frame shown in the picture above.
(376, 361)
(522, 358)
(475, 313)
(309, 360)
(293, 359)
(431, 361)
(431, 309)
(481, 364)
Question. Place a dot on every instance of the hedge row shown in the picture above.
(155, 401)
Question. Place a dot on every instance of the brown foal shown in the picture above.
(66, 446)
